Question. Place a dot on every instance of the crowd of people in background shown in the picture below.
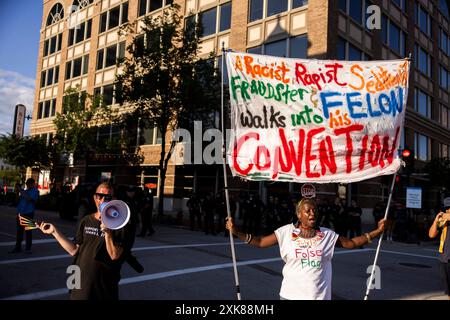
(206, 211)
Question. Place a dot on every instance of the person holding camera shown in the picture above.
(440, 225)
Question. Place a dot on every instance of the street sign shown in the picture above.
(414, 197)
(19, 120)
(308, 190)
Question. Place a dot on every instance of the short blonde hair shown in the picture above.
(107, 186)
(303, 202)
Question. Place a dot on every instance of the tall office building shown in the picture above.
(79, 44)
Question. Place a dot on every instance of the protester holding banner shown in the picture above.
(99, 252)
(440, 225)
(306, 250)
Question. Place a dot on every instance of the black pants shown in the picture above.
(146, 223)
(444, 270)
(19, 233)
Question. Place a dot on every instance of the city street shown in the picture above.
(188, 265)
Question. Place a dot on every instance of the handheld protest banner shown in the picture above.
(115, 214)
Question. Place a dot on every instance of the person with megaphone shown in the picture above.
(99, 248)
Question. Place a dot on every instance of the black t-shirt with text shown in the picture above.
(100, 275)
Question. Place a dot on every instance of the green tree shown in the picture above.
(164, 83)
(30, 151)
(77, 125)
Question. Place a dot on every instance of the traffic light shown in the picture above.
(408, 157)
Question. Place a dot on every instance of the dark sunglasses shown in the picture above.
(105, 196)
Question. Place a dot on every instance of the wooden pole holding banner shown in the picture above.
(225, 180)
(369, 284)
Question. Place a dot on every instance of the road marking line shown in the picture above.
(409, 254)
(8, 235)
(432, 250)
(62, 256)
(185, 246)
(160, 275)
(46, 258)
(40, 241)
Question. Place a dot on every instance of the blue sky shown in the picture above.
(20, 22)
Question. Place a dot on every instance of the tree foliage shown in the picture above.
(164, 83)
(76, 126)
(25, 152)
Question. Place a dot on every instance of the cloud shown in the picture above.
(14, 89)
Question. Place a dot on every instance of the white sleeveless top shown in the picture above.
(307, 270)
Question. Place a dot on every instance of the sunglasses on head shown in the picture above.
(105, 196)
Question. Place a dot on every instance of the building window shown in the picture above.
(80, 33)
(347, 51)
(393, 36)
(77, 67)
(443, 7)
(107, 57)
(107, 93)
(52, 45)
(225, 17)
(259, 9)
(151, 135)
(299, 3)
(114, 17)
(356, 9)
(146, 6)
(255, 50)
(277, 48)
(444, 78)
(423, 19)
(276, 6)
(148, 136)
(108, 133)
(397, 39)
(80, 4)
(422, 103)
(402, 4)
(208, 21)
(49, 76)
(444, 41)
(422, 147)
(256, 10)
(384, 29)
(46, 109)
(214, 20)
(56, 14)
(443, 150)
(298, 47)
(444, 116)
(422, 60)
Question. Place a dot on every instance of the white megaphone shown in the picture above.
(115, 214)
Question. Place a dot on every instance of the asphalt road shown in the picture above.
(188, 265)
